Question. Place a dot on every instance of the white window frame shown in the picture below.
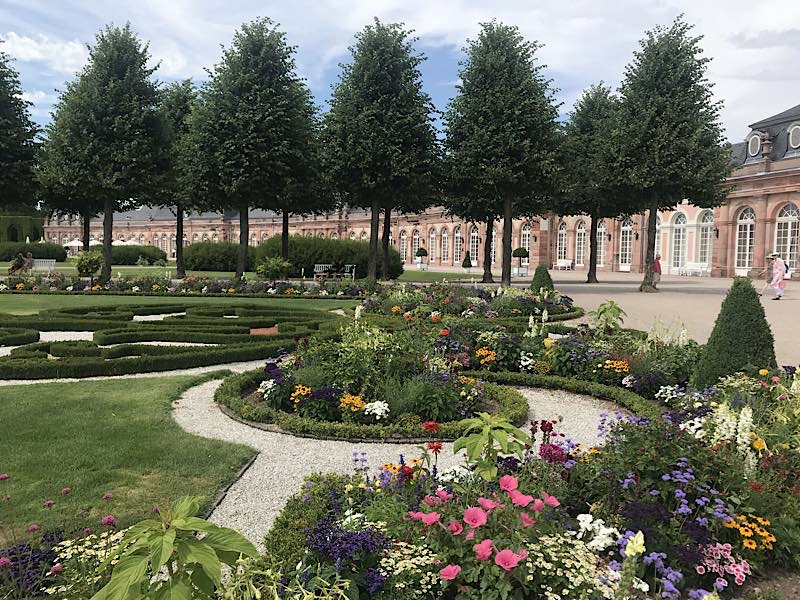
(745, 240)
(474, 245)
(679, 241)
(705, 237)
(561, 242)
(787, 234)
(444, 253)
(601, 243)
(626, 245)
(525, 242)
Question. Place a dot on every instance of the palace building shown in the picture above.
(761, 215)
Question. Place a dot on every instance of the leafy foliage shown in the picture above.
(272, 268)
(485, 438)
(541, 279)
(741, 336)
(8, 250)
(215, 256)
(88, 263)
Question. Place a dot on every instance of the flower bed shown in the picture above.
(413, 301)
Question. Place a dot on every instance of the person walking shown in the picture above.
(778, 271)
(767, 273)
(656, 271)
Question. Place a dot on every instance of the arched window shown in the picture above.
(321, 234)
(580, 243)
(404, 245)
(626, 245)
(679, 240)
(745, 238)
(172, 245)
(601, 243)
(264, 237)
(334, 236)
(561, 242)
(254, 239)
(705, 237)
(473, 245)
(445, 253)
(494, 244)
(215, 238)
(786, 234)
(431, 245)
(414, 243)
(352, 235)
(525, 242)
(458, 245)
(364, 237)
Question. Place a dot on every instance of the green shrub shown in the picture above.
(542, 279)
(305, 252)
(130, 255)
(467, 263)
(273, 267)
(8, 250)
(88, 263)
(215, 256)
(741, 337)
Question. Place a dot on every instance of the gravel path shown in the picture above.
(253, 502)
(157, 317)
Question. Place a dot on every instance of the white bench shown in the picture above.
(699, 269)
(421, 266)
(44, 264)
(321, 271)
(563, 264)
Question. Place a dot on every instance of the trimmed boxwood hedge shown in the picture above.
(8, 250)
(231, 395)
(130, 255)
(16, 336)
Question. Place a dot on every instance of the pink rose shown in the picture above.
(507, 559)
(450, 572)
(487, 504)
(56, 569)
(776, 379)
(416, 516)
(520, 499)
(483, 550)
(474, 517)
(538, 505)
(430, 500)
(470, 535)
(508, 483)
(443, 495)
(550, 500)
(4, 562)
(455, 528)
(430, 518)
(526, 520)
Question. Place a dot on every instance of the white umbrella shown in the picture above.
(95, 243)
(74, 244)
(118, 243)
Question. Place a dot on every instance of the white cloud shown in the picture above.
(59, 55)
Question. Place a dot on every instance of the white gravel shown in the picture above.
(157, 317)
(253, 502)
(157, 344)
(66, 336)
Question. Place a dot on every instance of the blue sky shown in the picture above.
(753, 44)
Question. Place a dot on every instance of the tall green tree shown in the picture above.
(501, 131)
(17, 141)
(249, 128)
(588, 181)
(667, 139)
(380, 145)
(105, 145)
(175, 107)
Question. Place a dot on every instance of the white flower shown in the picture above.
(378, 409)
(69, 288)
(271, 290)
(205, 289)
(323, 292)
(340, 293)
(135, 288)
(266, 387)
(359, 310)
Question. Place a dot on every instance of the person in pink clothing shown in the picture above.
(778, 271)
(656, 271)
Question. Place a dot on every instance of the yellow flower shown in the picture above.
(548, 343)
(351, 403)
(746, 532)
(763, 372)
(635, 545)
(759, 444)
(396, 309)
(749, 544)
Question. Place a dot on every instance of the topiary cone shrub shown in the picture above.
(541, 279)
(741, 337)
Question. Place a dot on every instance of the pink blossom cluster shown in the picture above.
(718, 559)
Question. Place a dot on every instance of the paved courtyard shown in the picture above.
(694, 301)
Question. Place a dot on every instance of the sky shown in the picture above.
(755, 45)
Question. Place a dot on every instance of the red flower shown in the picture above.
(444, 332)
(546, 426)
(436, 319)
(430, 426)
(435, 447)
(756, 487)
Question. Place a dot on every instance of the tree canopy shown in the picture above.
(380, 146)
(501, 132)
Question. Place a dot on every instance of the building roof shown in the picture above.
(785, 117)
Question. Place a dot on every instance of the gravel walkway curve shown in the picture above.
(253, 502)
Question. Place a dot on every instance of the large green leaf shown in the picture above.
(193, 551)
(177, 588)
(188, 506)
(161, 548)
(128, 572)
(230, 540)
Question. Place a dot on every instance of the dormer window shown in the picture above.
(794, 137)
(754, 146)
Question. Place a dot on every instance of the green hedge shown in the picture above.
(26, 226)
(129, 255)
(16, 336)
(305, 252)
(8, 250)
(215, 256)
(639, 406)
(231, 394)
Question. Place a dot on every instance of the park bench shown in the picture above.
(44, 264)
(421, 266)
(563, 264)
(324, 272)
(690, 268)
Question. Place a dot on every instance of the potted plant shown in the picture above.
(520, 253)
(421, 253)
(87, 264)
(467, 264)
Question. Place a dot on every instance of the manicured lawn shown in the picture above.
(27, 304)
(68, 268)
(96, 437)
(412, 274)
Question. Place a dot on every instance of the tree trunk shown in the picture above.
(108, 237)
(647, 283)
(285, 235)
(387, 227)
(244, 235)
(180, 270)
(86, 222)
(372, 264)
(487, 252)
(508, 222)
(591, 276)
